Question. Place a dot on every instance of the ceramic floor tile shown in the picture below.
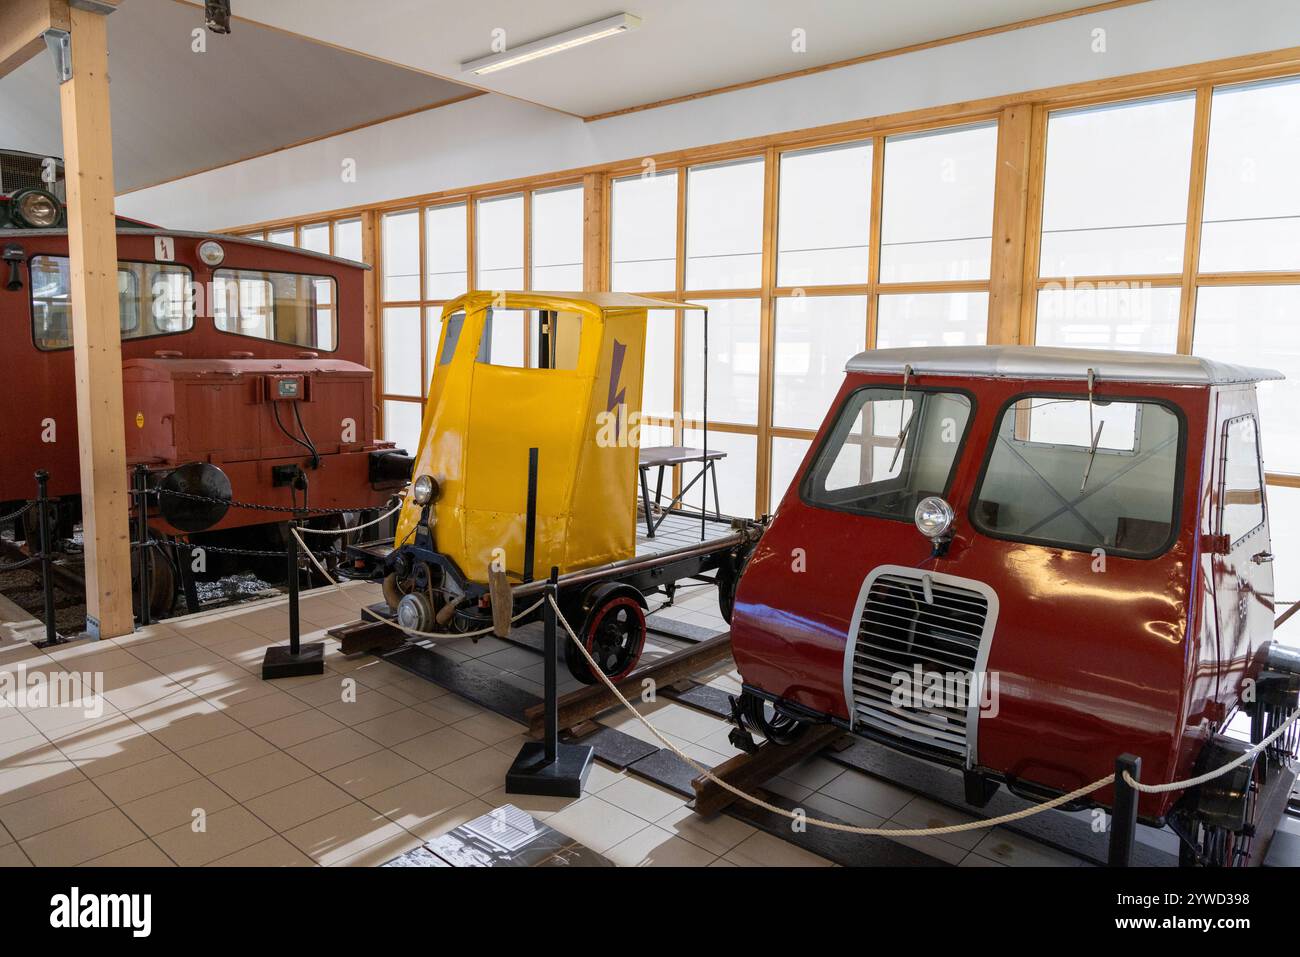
(373, 773)
(490, 728)
(438, 748)
(263, 710)
(270, 772)
(139, 854)
(922, 812)
(196, 729)
(176, 806)
(148, 777)
(31, 766)
(647, 801)
(226, 832)
(398, 726)
(226, 752)
(299, 802)
(297, 728)
(11, 855)
(381, 852)
(870, 794)
(596, 823)
(52, 809)
(1016, 850)
(113, 752)
(341, 834)
(163, 647)
(367, 704)
(718, 834)
(449, 709)
(273, 852)
(82, 840)
(655, 847)
(332, 750)
(480, 772)
(761, 849)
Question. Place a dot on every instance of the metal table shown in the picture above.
(662, 457)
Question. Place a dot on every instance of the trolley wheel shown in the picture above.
(162, 579)
(613, 634)
(759, 715)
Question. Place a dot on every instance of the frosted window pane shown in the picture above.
(283, 237)
(815, 337)
(557, 239)
(444, 251)
(736, 473)
(347, 239)
(932, 319)
(938, 205)
(402, 424)
(402, 374)
(1259, 326)
(824, 223)
(500, 243)
(733, 361)
(1284, 531)
(1252, 193)
(724, 225)
(787, 455)
(1109, 316)
(401, 255)
(643, 242)
(504, 332)
(660, 363)
(1115, 196)
(316, 237)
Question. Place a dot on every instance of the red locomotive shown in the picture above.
(1024, 562)
(242, 362)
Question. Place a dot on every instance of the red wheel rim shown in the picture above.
(616, 637)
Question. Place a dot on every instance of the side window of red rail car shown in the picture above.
(1241, 501)
(283, 307)
(1063, 474)
(153, 299)
(887, 451)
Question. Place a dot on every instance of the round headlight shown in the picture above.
(35, 207)
(211, 253)
(934, 517)
(424, 489)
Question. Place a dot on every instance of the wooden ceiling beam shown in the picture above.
(23, 24)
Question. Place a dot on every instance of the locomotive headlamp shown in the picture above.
(211, 253)
(934, 518)
(35, 207)
(424, 490)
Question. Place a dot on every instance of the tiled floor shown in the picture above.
(195, 760)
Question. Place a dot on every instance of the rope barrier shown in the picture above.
(355, 528)
(898, 832)
(1211, 775)
(451, 634)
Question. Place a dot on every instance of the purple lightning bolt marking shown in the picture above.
(615, 373)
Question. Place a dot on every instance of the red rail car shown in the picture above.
(1023, 563)
(243, 356)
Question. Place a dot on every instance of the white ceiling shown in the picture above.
(176, 112)
(682, 46)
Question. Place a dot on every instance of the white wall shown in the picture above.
(492, 138)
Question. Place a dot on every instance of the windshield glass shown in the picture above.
(1061, 476)
(282, 307)
(153, 299)
(888, 450)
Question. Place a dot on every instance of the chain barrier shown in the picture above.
(911, 831)
(266, 507)
(27, 507)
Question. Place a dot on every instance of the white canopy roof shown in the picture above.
(1049, 362)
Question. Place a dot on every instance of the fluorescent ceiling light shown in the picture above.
(552, 44)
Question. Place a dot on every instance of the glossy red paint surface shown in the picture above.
(1091, 665)
(197, 395)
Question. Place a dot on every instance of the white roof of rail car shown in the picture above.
(1050, 362)
(601, 300)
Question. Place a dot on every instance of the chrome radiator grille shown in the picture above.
(910, 620)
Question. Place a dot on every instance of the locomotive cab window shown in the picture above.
(281, 307)
(888, 450)
(1062, 474)
(1241, 502)
(153, 299)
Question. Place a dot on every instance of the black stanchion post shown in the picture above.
(1124, 811)
(142, 516)
(43, 540)
(549, 767)
(295, 658)
(530, 517)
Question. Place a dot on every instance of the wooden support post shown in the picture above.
(96, 335)
(1011, 195)
(22, 29)
(595, 250)
(370, 311)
